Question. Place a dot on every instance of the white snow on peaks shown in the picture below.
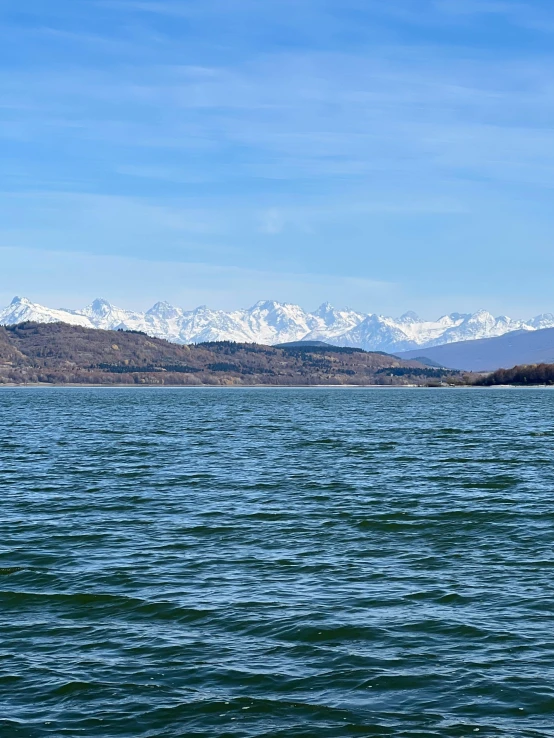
(270, 322)
(331, 322)
(21, 309)
(103, 315)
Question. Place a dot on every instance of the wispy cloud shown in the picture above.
(186, 284)
(179, 9)
(536, 16)
(482, 7)
(341, 115)
(279, 133)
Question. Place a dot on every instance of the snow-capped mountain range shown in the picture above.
(273, 322)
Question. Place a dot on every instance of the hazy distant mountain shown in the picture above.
(272, 322)
(487, 354)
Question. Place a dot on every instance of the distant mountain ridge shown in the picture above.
(490, 354)
(270, 322)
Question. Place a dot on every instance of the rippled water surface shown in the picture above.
(286, 562)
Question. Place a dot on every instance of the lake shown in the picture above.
(276, 562)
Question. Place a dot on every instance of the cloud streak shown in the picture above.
(342, 115)
(276, 135)
(186, 284)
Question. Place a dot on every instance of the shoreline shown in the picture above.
(269, 386)
(212, 386)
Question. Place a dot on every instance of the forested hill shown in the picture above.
(524, 375)
(57, 353)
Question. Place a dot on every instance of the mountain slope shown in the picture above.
(488, 354)
(60, 353)
(21, 309)
(270, 322)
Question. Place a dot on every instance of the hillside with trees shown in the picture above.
(523, 375)
(57, 353)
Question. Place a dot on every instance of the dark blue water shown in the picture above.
(276, 563)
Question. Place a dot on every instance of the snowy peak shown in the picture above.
(267, 305)
(331, 322)
(271, 322)
(410, 317)
(382, 334)
(100, 307)
(277, 322)
(103, 314)
(21, 310)
(481, 324)
(325, 310)
(545, 320)
(164, 310)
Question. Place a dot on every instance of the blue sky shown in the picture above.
(382, 154)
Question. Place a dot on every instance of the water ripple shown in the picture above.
(278, 563)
